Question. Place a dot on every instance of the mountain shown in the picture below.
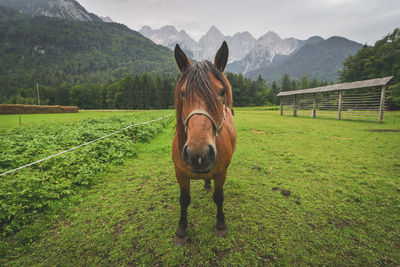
(169, 36)
(210, 43)
(269, 56)
(264, 51)
(317, 58)
(52, 51)
(64, 9)
(240, 44)
(206, 47)
(107, 19)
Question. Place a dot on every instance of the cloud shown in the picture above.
(359, 20)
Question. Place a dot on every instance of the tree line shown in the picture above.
(146, 91)
(380, 60)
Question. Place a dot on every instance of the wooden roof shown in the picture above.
(340, 86)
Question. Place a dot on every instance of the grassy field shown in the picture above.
(300, 191)
(11, 121)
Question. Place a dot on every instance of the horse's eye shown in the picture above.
(182, 94)
(222, 93)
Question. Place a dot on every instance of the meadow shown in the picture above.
(12, 121)
(300, 191)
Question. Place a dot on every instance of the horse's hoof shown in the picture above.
(180, 241)
(208, 188)
(220, 233)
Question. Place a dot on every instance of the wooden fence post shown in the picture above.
(340, 106)
(281, 106)
(295, 107)
(314, 113)
(133, 134)
(382, 104)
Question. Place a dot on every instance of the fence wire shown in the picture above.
(359, 104)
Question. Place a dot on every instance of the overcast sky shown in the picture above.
(364, 21)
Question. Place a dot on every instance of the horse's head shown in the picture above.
(201, 97)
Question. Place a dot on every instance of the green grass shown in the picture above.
(12, 121)
(343, 208)
(25, 194)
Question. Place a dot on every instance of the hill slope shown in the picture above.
(64, 9)
(51, 51)
(320, 60)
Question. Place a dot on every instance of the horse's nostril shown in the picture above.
(185, 154)
(211, 154)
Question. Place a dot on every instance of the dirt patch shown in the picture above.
(220, 254)
(256, 168)
(384, 130)
(285, 192)
(117, 229)
(267, 259)
(258, 132)
(150, 209)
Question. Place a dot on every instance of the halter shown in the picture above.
(205, 113)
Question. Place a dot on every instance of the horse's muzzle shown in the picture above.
(199, 162)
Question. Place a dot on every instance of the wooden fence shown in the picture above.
(355, 100)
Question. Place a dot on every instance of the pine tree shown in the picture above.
(286, 83)
(293, 85)
(304, 82)
(314, 83)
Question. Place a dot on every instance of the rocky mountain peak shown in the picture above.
(269, 37)
(243, 35)
(213, 29)
(63, 9)
(213, 32)
(210, 43)
(168, 30)
(169, 36)
(107, 19)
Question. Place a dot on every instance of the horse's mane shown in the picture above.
(197, 80)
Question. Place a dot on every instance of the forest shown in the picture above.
(379, 60)
(54, 52)
(146, 91)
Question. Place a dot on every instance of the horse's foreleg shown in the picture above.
(184, 199)
(207, 185)
(218, 197)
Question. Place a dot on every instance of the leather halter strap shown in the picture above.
(205, 113)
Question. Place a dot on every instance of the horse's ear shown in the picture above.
(181, 59)
(221, 58)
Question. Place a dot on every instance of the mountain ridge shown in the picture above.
(269, 56)
(64, 9)
(239, 44)
(321, 60)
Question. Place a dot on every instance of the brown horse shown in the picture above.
(205, 137)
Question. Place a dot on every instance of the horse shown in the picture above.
(205, 137)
